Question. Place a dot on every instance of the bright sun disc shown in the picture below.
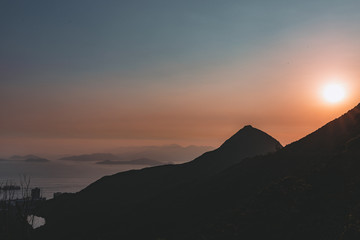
(334, 93)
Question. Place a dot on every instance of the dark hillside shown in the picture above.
(307, 190)
(134, 190)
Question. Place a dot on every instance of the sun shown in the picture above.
(334, 92)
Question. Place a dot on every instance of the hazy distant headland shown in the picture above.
(162, 154)
(27, 158)
(97, 164)
(139, 161)
(91, 157)
(55, 174)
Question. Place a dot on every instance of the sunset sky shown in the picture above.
(82, 76)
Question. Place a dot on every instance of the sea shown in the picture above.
(49, 186)
(53, 178)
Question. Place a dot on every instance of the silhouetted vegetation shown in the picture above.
(17, 203)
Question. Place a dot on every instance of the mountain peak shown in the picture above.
(250, 137)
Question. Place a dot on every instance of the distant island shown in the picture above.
(139, 161)
(27, 158)
(37, 160)
(163, 154)
(22, 158)
(92, 157)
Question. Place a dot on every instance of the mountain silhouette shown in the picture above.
(128, 188)
(306, 190)
(252, 139)
(247, 142)
(332, 137)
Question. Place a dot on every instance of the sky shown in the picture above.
(81, 76)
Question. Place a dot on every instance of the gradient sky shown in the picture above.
(90, 75)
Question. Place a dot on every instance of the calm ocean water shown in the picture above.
(54, 177)
(49, 186)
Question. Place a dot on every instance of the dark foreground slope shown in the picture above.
(307, 190)
(137, 204)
